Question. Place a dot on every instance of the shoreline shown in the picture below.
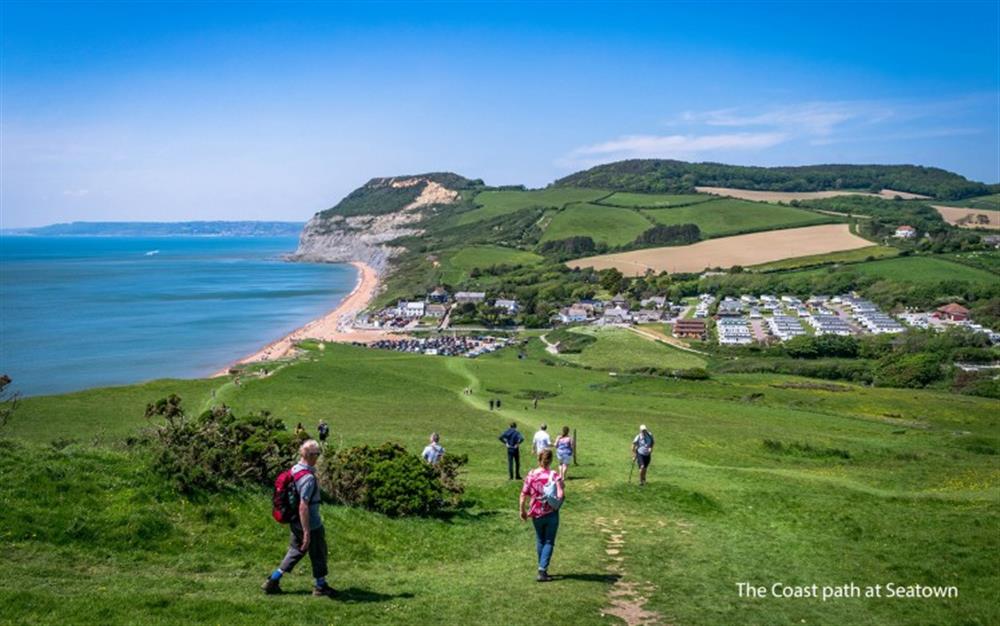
(335, 325)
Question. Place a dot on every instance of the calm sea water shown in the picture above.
(79, 312)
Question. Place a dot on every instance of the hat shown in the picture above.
(643, 427)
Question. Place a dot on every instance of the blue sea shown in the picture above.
(80, 312)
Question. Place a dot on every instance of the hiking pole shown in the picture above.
(631, 468)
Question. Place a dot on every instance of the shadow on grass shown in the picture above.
(356, 595)
(608, 579)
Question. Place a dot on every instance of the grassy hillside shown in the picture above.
(610, 225)
(654, 200)
(621, 350)
(922, 270)
(729, 217)
(845, 256)
(754, 478)
(494, 203)
(456, 265)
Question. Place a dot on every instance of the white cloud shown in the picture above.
(672, 146)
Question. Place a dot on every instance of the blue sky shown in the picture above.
(183, 111)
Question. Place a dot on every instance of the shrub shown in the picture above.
(390, 480)
(675, 234)
(218, 450)
(909, 370)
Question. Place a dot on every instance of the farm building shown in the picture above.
(689, 329)
(905, 232)
(954, 312)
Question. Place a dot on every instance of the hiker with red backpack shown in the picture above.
(541, 498)
(296, 503)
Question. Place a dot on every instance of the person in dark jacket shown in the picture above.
(512, 438)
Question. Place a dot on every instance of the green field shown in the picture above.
(618, 349)
(921, 270)
(844, 256)
(755, 478)
(610, 225)
(988, 260)
(654, 200)
(991, 202)
(455, 266)
(717, 218)
(494, 203)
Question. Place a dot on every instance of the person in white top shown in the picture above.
(541, 441)
(433, 452)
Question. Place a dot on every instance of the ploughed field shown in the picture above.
(745, 250)
(788, 196)
(755, 478)
(970, 217)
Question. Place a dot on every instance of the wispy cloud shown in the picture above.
(754, 130)
(632, 146)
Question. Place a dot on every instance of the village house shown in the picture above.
(616, 315)
(570, 315)
(509, 305)
(953, 312)
(905, 232)
(436, 310)
(475, 297)
(411, 309)
(619, 301)
(648, 315)
(439, 295)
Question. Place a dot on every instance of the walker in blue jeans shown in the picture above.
(546, 528)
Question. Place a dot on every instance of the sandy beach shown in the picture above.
(334, 326)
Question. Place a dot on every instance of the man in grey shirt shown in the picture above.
(307, 532)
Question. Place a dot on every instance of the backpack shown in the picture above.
(285, 500)
(550, 493)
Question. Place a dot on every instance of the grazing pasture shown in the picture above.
(653, 200)
(495, 203)
(744, 250)
(456, 265)
(922, 270)
(730, 217)
(620, 350)
(611, 225)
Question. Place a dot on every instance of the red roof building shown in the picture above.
(954, 312)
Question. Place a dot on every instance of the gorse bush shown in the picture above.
(390, 480)
(217, 449)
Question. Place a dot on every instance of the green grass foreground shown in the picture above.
(755, 478)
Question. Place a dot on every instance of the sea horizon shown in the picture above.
(78, 312)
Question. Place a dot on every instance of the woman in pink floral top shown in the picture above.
(543, 516)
